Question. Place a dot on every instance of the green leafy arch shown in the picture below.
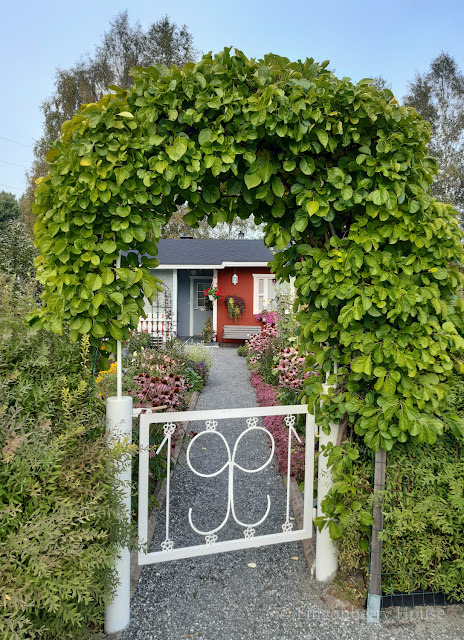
(338, 172)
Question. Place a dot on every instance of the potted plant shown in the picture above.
(235, 306)
(213, 293)
(207, 332)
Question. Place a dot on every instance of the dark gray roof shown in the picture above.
(213, 253)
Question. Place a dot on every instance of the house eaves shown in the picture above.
(223, 265)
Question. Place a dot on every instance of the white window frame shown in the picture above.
(256, 277)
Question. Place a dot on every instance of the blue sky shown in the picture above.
(361, 38)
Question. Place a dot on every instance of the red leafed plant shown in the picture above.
(159, 390)
(266, 395)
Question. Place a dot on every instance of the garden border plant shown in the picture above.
(339, 174)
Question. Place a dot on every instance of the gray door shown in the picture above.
(198, 301)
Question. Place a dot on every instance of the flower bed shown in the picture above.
(267, 396)
(165, 378)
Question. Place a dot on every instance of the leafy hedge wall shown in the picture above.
(58, 502)
(423, 538)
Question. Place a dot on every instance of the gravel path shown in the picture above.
(219, 597)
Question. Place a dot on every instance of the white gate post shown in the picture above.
(326, 550)
(119, 430)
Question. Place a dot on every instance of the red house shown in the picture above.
(189, 266)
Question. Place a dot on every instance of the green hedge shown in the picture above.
(423, 546)
(423, 537)
(59, 508)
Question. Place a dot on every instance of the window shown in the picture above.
(264, 292)
(200, 298)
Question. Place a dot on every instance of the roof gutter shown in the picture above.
(223, 265)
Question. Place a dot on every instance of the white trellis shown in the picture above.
(172, 549)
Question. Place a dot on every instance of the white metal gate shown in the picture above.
(171, 549)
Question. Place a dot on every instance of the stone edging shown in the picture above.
(160, 496)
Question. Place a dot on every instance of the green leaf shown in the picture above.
(116, 332)
(440, 274)
(152, 263)
(347, 193)
(307, 166)
(117, 297)
(323, 137)
(148, 284)
(107, 276)
(312, 207)
(362, 364)
(365, 518)
(210, 193)
(216, 167)
(86, 326)
(93, 281)
(97, 300)
(278, 209)
(121, 175)
(127, 236)
(98, 329)
(104, 363)
(204, 137)
(155, 139)
(252, 180)
(277, 187)
(336, 176)
(109, 246)
(301, 221)
(177, 149)
(289, 165)
(187, 86)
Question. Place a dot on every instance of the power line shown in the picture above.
(16, 142)
(10, 187)
(14, 164)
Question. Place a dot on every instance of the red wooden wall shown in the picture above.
(244, 289)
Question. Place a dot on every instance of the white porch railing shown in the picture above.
(171, 548)
(159, 326)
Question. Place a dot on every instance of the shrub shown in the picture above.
(59, 530)
(138, 340)
(423, 533)
(242, 350)
(199, 354)
(199, 368)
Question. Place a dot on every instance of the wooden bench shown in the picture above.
(238, 332)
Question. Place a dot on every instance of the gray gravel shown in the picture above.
(219, 597)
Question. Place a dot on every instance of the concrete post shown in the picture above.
(119, 429)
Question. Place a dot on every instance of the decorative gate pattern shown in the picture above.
(171, 549)
(159, 320)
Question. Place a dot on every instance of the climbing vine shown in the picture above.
(337, 171)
